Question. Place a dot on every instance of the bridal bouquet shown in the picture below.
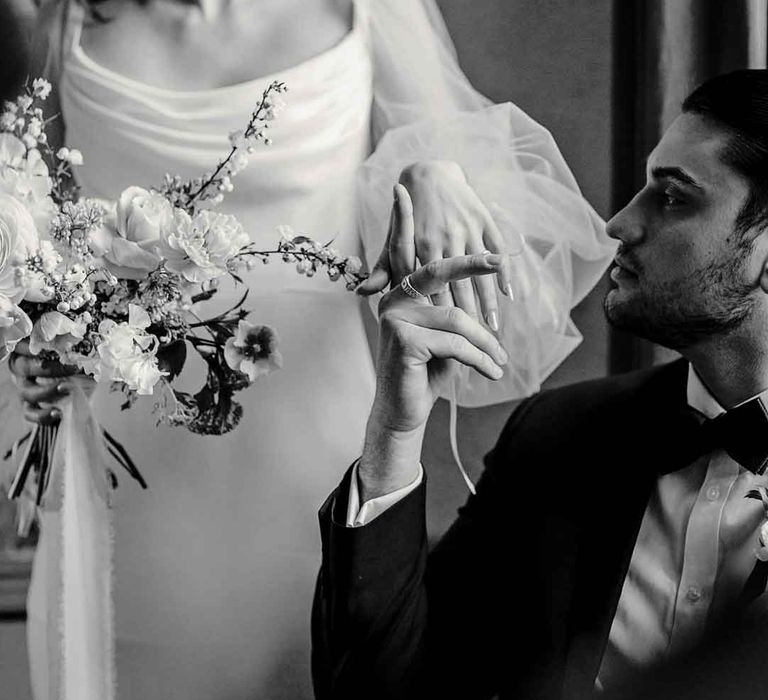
(118, 289)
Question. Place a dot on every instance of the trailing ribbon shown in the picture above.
(79, 574)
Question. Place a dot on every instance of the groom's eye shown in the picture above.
(670, 198)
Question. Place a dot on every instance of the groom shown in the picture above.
(611, 528)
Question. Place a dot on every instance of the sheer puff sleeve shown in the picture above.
(425, 109)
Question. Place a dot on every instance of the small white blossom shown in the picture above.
(354, 265)
(41, 88)
(237, 139)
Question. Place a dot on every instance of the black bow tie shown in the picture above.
(742, 432)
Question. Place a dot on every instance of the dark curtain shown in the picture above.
(662, 50)
(15, 25)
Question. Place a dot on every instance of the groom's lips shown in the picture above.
(622, 272)
(622, 263)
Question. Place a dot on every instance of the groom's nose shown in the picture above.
(628, 225)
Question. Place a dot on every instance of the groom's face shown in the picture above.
(683, 272)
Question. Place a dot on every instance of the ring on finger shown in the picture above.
(409, 289)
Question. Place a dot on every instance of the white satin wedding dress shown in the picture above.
(215, 564)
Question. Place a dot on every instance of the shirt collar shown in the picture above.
(700, 398)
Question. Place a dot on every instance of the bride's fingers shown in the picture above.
(463, 291)
(487, 296)
(496, 243)
(402, 246)
(34, 366)
(45, 415)
(49, 392)
(489, 303)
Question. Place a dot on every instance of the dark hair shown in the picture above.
(738, 103)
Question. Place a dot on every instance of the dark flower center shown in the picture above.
(258, 343)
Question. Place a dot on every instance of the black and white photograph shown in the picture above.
(383, 349)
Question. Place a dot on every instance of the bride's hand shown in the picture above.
(42, 383)
(450, 220)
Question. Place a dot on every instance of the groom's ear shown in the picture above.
(763, 281)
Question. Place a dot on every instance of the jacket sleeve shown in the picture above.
(392, 622)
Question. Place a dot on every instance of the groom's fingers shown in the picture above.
(433, 277)
(455, 321)
(379, 277)
(402, 244)
(450, 346)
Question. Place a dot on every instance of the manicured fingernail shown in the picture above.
(493, 259)
(492, 319)
(55, 413)
(63, 388)
(508, 290)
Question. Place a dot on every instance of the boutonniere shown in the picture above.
(761, 494)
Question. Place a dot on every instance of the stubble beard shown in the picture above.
(680, 314)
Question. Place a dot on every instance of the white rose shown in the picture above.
(18, 239)
(126, 241)
(15, 325)
(141, 215)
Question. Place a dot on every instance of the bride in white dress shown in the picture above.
(216, 563)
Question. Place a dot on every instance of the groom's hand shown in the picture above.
(417, 342)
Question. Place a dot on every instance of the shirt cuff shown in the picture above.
(357, 516)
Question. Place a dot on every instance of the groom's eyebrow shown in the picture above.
(677, 174)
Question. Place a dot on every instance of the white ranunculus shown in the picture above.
(127, 353)
(57, 332)
(23, 173)
(18, 239)
(200, 248)
(15, 325)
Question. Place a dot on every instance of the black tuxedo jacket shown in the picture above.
(518, 598)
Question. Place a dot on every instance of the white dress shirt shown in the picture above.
(694, 552)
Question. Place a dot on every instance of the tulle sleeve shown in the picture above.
(425, 108)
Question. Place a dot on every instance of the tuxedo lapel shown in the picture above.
(655, 441)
